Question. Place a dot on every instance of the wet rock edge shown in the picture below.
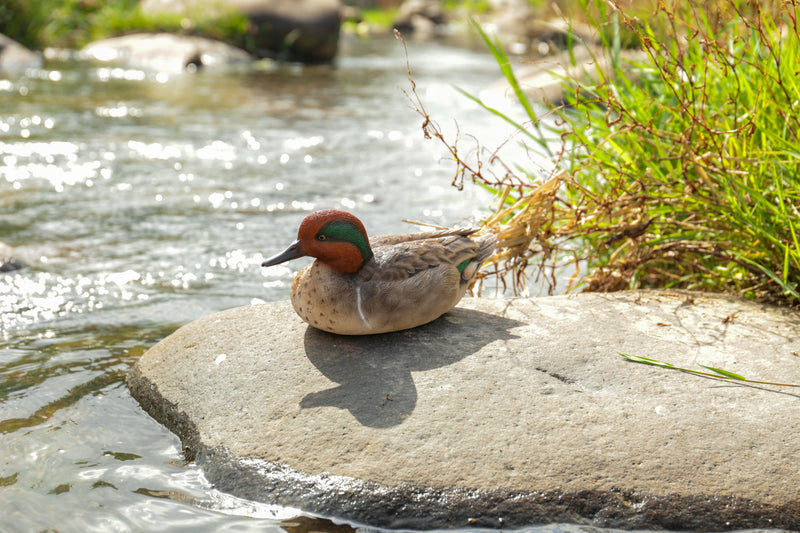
(418, 507)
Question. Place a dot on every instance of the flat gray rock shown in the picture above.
(500, 413)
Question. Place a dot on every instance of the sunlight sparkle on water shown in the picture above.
(121, 278)
(119, 111)
(117, 73)
(154, 150)
(298, 143)
(28, 149)
(217, 150)
(236, 260)
(40, 297)
(55, 162)
(30, 297)
(216, 199)
(251, 141)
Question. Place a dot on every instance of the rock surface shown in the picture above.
(500, 413)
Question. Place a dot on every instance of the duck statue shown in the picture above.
(362, 286)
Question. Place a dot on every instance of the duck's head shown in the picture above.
(336, 238)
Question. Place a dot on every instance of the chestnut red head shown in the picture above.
(336, 238)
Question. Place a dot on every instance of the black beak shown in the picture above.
(292, 252)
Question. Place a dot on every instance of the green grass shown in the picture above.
(683, 171)
(74, 23)
(382, 18)
(371, 19)
(471, 6)
(718, 373)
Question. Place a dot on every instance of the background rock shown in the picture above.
(15, 57)
(297, 30)
(500, 413)
(420, 17)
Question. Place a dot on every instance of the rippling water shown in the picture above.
(142, 201)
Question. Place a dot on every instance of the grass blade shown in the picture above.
(648, 361)
(725, 373)
(715, 372)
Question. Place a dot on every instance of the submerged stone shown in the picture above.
(10, 264)
(502, 413)
(8, 260)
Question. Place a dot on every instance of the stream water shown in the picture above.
(142, 202)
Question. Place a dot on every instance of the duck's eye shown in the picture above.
(321, 237)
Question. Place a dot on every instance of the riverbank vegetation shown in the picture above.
(75, 23)
(681, 171)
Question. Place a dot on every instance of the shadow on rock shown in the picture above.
(374, 371)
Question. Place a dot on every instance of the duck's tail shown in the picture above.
(469, 268)
(488, 243)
